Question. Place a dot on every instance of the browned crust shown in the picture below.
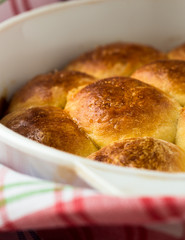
(116, 59)
(180, 136)
(177, 53)
(115, 108)
(49, 89)
(167, 75)
(147, 153)
(50, 126)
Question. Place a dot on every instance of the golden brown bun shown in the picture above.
(180, 137)
(177, 53)
(167, 75)
(49, 89)
(117, 108)
(117, 59)
(147, 152)
(50, 126)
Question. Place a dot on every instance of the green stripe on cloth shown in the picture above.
(19, 184)
(25, 195)
(2, 1)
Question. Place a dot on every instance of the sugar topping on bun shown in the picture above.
(147, 153)
(117, 108)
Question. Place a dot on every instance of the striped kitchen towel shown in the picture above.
(29, 203)
(9, 8)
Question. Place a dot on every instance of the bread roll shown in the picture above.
(117, 108)
(48, 89)
(93, 103)
(116, 59)
(180, 137)
(167, 75)
(177, 53)
(147, 152)
(50, 126)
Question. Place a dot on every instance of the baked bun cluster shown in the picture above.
(121, 103)
(116, 59)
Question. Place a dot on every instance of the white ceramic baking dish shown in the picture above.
(49, 37)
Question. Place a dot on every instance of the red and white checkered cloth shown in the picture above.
(29, 203)
(9, 8)
(34, 209)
